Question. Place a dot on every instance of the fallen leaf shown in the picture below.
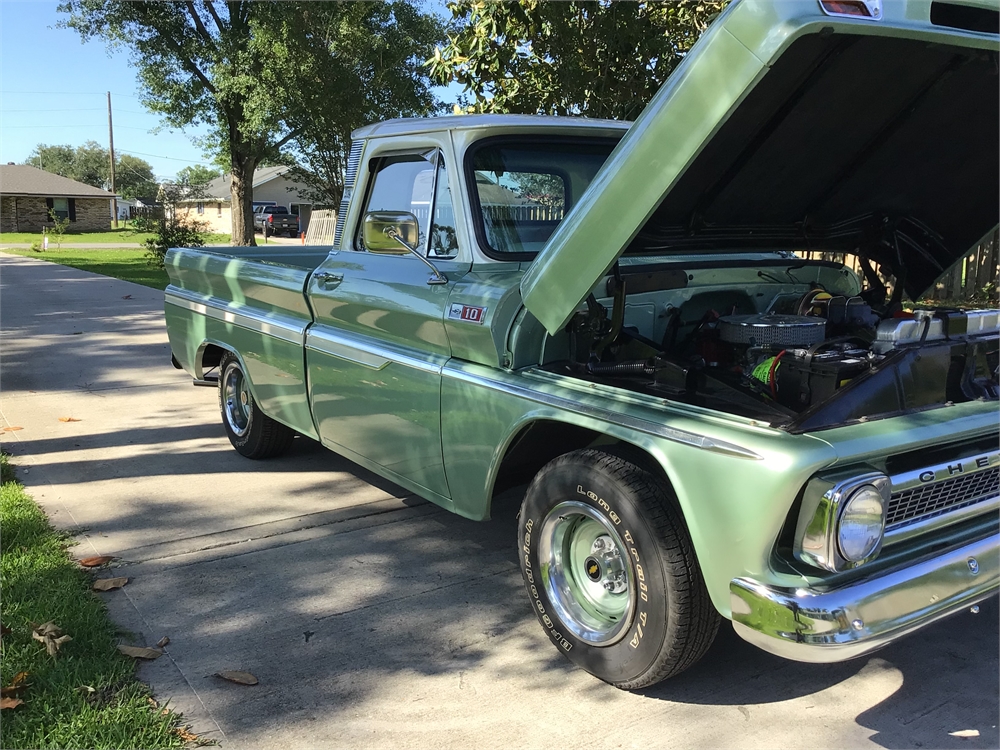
(162, 642)
(93, 562)
(12, 429)
(68, 419)
(107, 584)
(86, 689)
(127, 296)
(141, 652)
(241, 678)
(17, 685)
(965, 733)
(185, 735)
(51, 635)
(6, 702)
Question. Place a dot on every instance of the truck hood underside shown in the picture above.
(886, 145)
(882, 144)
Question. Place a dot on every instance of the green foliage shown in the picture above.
(91, 164)
(262, 75)
(41, 584)
(197, 175)
(59, 226)
(600, 59)
(172, 230)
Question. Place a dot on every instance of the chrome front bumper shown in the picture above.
(841, 623)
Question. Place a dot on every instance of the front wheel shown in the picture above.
(252, 433)
(611, 572)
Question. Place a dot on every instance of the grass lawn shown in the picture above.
(85, 696)
(112, 235)
(126, 264)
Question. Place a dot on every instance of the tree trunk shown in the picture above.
(241, 194)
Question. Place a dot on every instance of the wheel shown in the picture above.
(252, 433)
(611, 572)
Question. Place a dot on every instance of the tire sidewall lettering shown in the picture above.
(641, 641)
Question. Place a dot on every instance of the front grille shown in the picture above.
(935, 499)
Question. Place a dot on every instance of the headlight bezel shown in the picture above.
(817, 534)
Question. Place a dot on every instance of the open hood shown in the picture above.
(786, 128)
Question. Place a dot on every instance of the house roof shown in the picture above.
(218, 189)
(23, 179)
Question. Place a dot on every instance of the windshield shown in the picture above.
(522, 190)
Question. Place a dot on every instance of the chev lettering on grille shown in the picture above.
(959, 467)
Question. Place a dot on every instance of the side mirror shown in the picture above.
(375, 232)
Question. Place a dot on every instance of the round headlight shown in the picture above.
(859, 532)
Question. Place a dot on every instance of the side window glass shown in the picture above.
(403, 183)
(444, 242)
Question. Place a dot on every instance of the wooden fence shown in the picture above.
(974, 278)
(322, 224)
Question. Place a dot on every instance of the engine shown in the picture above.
(810, 361)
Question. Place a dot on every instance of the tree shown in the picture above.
(381, 48)
(54, 159)
(90, 164)
(197, 175)
(257, 73)
(134, 177)
(600, 59)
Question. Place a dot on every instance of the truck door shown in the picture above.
(375, 353)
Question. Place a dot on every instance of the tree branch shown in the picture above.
(199, 26)
(187, 63)
(292, 134)
(210, 5)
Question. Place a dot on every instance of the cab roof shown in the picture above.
(416, 125)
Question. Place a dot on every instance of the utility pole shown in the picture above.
(111, 145)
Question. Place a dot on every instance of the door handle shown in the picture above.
(328, 280)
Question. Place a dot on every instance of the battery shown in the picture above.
(802, 382)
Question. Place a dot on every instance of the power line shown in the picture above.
(158, 156)
(68, 93)
(75, 109)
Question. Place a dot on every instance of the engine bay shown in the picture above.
(799, 345)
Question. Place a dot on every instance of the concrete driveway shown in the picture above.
(372, 618)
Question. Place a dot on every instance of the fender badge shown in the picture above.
(468, 313)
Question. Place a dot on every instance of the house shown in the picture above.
(271, 186)
(28, 194)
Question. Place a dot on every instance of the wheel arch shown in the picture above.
(536, 441)
(210, 355)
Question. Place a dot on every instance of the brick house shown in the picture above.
(27, 194)
(271, 186)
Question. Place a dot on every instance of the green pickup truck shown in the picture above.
(621, 316)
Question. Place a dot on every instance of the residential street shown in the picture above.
(372, 618)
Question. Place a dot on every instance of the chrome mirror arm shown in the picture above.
(438, 277)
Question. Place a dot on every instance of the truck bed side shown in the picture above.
(251, 302)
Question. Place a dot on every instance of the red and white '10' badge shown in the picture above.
(468, 313)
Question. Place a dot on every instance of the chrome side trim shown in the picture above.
(635, 423)
(281, 327)
(324, 340)
(816, 625)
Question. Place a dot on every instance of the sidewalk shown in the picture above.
(74, 245)
(372, 618)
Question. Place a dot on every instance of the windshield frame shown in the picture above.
(475, 206)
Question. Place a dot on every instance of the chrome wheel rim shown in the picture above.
(236, 401)
(586, 573)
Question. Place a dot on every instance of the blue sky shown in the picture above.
(53, 90)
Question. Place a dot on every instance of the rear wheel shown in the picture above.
(252, 433)
(611, 572)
